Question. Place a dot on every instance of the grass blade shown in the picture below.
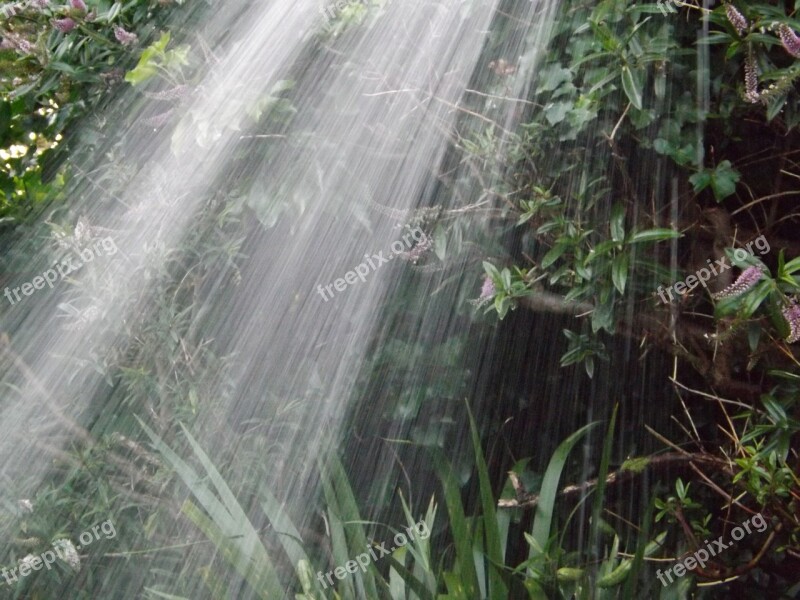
(497, 587)
(459, 527)
(543, 518)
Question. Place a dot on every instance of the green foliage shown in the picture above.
(342, 15)
(157, 59)
(51, 80)
(509, 286)
(224, 521)
(618, 76)
(721, 178)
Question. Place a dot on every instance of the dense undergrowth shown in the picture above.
(675, 139)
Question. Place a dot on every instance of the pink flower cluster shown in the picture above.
(792, 316)
(79, 7)
(487, 290)
(749, 277)
(789, 39)
(740, 24)
(126, 38)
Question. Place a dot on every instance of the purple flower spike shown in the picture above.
(790, 41)
(488, 289)
(78, 5)
(737, 19)
(749, 277)
(64, 25)
(792, 316)
(751, 79)
(126, 38)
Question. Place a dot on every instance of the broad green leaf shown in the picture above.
(492, 272)
(553, 254)
(619, 272)
(700, 181)
(632, 84)
(723, 180)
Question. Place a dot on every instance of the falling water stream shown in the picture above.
(348, 173)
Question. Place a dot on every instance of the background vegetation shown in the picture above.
(676, 141)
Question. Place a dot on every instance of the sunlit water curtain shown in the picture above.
(240, 266)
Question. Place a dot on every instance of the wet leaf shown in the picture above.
(632, 84)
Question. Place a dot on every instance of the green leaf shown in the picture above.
(775, 410)
(723, 181)
(543, 519)
(147, 67)
(440, 242)
(655, 235)
(605, 460)
(227, 524)
(554, 254)
(603, 316)
(555, 112)
(753, 336)
(618, 222)
(5, 121)
(632, 84)
(399, 574)
(347, 510)
(619, 272)
(505, 277)
(467, 578)
(792, 266)
(493, 549)
(700, 181)
(492, 272)
(753, 298)
(502, 304)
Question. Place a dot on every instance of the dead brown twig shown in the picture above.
(527, 500)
